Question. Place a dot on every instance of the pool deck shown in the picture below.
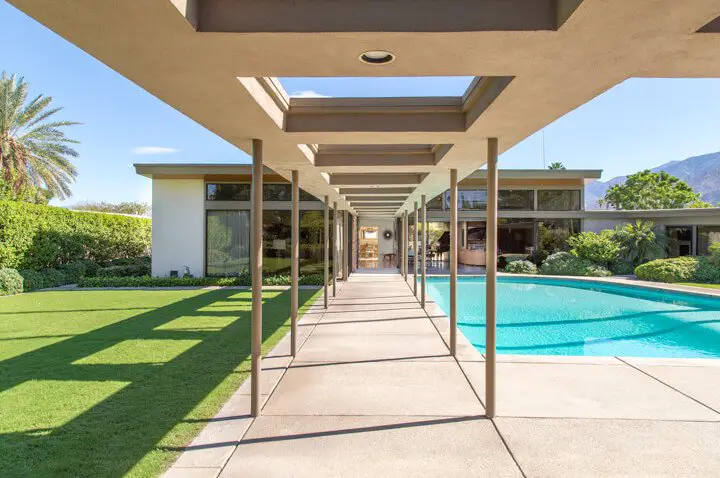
(374, 392)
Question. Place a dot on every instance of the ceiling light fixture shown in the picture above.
(377, 57)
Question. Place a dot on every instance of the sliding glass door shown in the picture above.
(227, 243)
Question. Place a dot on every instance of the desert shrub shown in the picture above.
(38, 237)
(521, 267)
(564, 263)
(599, 248)
(676, 269)
(130, 270)
(714, 257)
(11, 282)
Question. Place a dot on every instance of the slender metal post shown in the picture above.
(335, 248)
(256, 259)
(415, 249)
(424, 252)
(491, 278)
(295, 261)
(326, 254)
(345, 240)
(406, 243)
(453, 260)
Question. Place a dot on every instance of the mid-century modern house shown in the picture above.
(201, 220)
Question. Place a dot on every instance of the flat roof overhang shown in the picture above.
(534, 61)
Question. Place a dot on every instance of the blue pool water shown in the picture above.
(544, 316)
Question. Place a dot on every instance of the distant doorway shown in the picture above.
(368, 257)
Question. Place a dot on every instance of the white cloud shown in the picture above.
(308, 94)
(149, 150)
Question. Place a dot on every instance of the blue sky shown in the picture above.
(639, 124)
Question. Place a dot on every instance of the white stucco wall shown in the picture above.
(178, 226)
(385, 246)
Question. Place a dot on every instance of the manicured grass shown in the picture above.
(698, 284)
(108, 383)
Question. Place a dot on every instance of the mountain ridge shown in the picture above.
(701, 172)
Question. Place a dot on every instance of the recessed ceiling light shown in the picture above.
(377, 57)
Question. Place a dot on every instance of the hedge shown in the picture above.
(11, 282)
(521, 267)
(38, 237)
(566, 264)
(244, 280)
(680, 269)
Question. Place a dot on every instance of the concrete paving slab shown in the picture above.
(360, 347)
(674, 362)
(700, 383)
(632, 448)
(178, 472)
(584, 391)
(571, 359)
(380, 388)
(371, 446)
(383, 326)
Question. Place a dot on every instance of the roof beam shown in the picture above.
(375, 179)
(376, 191)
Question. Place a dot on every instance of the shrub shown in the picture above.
(677, 269)
(639, 242)
(128, 261)
(521, 267)
(146, 281)
(598, 248)
(75, 271)
(714, 257)
(131, 270)
(506, 259)
(37, 237)
(707, 271)
(564, 263)
(622, 268)
(45, 279)
(11, 282)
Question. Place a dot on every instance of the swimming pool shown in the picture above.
(545, 316)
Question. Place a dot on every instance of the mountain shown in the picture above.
(702, 173)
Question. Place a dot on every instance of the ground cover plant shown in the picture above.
(109, 383)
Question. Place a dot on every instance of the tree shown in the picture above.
(133, 207)
(648, 190)
(34, 152)
(556, 166)
(640, 242)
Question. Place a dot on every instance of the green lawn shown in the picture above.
(108, 383)
(697, 284)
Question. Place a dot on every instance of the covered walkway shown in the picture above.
(373, 391)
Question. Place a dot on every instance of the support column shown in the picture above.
(491, 277)
(406, 240)
(453, 260)
(345, 240)
(424, 252)
(326, 250)
(335, 248)
(295, 261)
(256, 260)
(416, 256)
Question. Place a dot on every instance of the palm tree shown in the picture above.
(33, 152)
(556, 166)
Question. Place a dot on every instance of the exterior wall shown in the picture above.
(178, 226)
(661, 219)
(385, 246)
(597, 225)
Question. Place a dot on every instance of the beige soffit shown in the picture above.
(217, 61)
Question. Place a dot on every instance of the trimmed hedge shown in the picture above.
(566, 264)
(521, 267)
(244, 280)
(38, 237)
(676, 269)
(11, 282)
(132, 270)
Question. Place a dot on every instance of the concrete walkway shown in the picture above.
(373, 392)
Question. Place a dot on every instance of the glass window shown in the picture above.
(277, 192)
(227, 243)
(559, 200)
(469, 199)
(435, 204)
(306, 196)
(707, 236)
(515, 236)
(552, 235)
(516, 200)
(227, 192)
(680, 239)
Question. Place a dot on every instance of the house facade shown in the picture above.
(201, 221)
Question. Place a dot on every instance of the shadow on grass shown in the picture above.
(115, 433)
